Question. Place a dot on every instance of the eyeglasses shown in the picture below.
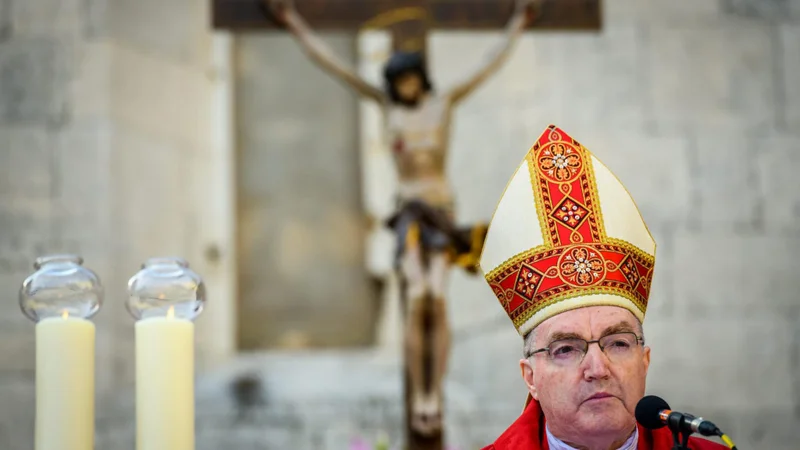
(618, 347)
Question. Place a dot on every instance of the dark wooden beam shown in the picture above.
(349, 15)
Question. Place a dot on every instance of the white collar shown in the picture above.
(557, 444)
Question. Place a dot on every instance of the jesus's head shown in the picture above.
(406, 78)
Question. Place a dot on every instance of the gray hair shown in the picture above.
(529, 344)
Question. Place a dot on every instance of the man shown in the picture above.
(418, 123)
(571, 261)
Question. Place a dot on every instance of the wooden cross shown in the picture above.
(409, 20)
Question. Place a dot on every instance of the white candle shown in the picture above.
(65, 384)
(165, 383)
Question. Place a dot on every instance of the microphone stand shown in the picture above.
(681, 441)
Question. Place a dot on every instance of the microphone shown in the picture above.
(653, 413)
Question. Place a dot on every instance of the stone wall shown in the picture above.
(301, 225)
(110, 151)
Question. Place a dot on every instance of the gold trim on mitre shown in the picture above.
(566, 234)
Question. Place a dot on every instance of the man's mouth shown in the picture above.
(599, 396)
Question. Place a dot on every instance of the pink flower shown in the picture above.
(359, 444)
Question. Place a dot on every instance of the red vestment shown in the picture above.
(528, 433)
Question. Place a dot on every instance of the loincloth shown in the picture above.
(434, 229)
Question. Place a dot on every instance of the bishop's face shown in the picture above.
(594, 396)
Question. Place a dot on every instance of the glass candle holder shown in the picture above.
(166, 287)
(164, 297)
(60, 296)
(60, 287)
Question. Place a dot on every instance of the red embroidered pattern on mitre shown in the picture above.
(577, 258)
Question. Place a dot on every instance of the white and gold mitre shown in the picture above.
(566, 234)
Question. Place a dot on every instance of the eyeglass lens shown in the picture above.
(615, 346)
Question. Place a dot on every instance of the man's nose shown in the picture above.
(595, 364)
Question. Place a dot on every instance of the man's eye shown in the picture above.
(619, 345)
(563, 350)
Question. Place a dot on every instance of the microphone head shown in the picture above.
(647, 411)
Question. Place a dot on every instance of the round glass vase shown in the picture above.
(166, 287)
(60, 287)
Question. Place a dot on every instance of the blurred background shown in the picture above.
(131, 129)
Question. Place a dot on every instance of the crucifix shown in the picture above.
(417, 130)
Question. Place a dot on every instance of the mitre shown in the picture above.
(566, 234)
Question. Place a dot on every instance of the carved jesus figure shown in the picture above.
(418, 122)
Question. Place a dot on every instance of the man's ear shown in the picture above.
(646, 357)
(527, 375)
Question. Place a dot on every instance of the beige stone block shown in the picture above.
(17, 332)
(19, 351)
(661, 304)
(17, 414)
(61, 18)
(212, 254)
(656, 170)
(482, 157)
(790, 67)
(774, 10)
(25, 162)
(90, 86)
(726, 193)
(95, 18)
(548, 78)
(732, 278)
(661, 11)
(299, 200)
(587, 78)
(777, 163)
(473, 306)
(13, 323)
(178, 31)
(737, 364)
(26, 232)
(113, 435)
(106, 381)
(484, 361)
(772, 428)
(83, 200)
(35, 72)
(456, 56)
(5, 19)
(711, 76)
(160, 97)
(150, 195)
